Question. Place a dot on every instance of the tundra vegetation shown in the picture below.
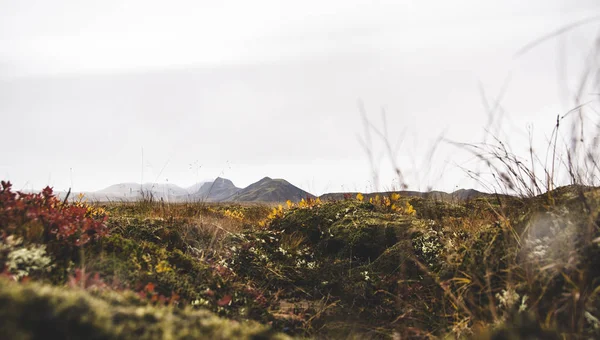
(374, 266)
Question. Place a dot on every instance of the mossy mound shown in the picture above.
(354, 255)
(346, 229)
(33, 311)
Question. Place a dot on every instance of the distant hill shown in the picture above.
(192, 189)
(459, 195)
(133, 191)
(217, 191)
(270, 190)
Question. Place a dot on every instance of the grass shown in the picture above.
(491, 266)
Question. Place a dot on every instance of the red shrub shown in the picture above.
(44, 217)
(150, 294)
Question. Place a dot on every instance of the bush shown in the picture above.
(43, 222)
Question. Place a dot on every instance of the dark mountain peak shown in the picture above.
(223, 181)
(217, 190)
(270, 190)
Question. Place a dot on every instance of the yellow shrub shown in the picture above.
(91, 211)
(235, 214)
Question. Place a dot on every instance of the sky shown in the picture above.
(94, 93)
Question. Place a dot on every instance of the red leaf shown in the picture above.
(224, 301)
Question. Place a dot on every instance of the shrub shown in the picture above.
(42, 222)
(42, 218)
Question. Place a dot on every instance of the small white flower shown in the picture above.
(508, 298)
(366, 276)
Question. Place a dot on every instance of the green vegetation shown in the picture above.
(32, 311)
(376, 267)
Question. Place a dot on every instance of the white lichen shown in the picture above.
(25, 261)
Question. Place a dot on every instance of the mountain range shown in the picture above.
(223, 190)
(219, 190)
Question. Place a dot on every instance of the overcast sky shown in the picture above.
(247, 89)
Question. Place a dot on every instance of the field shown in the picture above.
(385, 266)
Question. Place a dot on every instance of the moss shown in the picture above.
(345, 229)
(435, 209)
(35, 311)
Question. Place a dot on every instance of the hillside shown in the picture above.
(270, 190)
(194, 188)
(216, 191)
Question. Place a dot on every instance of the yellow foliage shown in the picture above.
(392, 203)
(236, 214)
(276, 212)
(90, 210)
(302, 204)
(409, 209)
(163, 266)
(360, 197)
(289, 203)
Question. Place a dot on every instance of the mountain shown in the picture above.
(133, 191)
(270, 190)
(192, 189)
(120, 189)
(217, 191)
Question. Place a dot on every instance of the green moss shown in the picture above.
(43, 312)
